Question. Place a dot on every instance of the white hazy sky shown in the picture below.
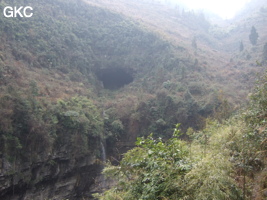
(224, 8)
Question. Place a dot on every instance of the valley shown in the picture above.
(83, 75)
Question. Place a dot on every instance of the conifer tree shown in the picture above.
(253, 37)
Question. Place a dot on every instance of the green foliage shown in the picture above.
(30, 127)
(78, 124)
(211, 179)
(170, 170)
(117, 126)
(152, 170)
(254, 143)
(34, 88)
(25, 128)
(79, 115)
(212, 176)
(220, 162)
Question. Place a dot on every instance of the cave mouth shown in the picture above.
(114, 78)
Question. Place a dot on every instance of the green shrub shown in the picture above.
(153, 170)
(78, 116)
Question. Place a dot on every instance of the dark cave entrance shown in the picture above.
(114, 78)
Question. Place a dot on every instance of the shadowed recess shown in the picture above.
(114, 78)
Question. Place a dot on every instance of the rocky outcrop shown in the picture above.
(58, 176)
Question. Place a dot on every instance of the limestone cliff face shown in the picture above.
(59, 175)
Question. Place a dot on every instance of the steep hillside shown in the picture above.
(69, 49)
(216, 42)
(223, 161)
(80, 41)
(213, 45)
(62, 74)
(82, 76)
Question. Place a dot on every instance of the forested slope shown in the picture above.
(76, 77)
(69, 48)
(226, 160)
(56, 107)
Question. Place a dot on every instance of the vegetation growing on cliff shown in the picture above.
(32, 127)
(77, 73)
(223, 161)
